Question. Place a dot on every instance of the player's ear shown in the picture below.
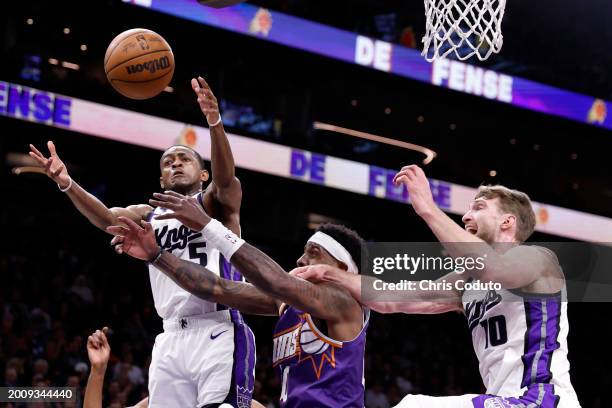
(161, 183)
(204, 176)
(508, 222)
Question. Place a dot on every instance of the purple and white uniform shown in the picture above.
(520, 340)
(206, 353)
(521, 343)
(317, 371)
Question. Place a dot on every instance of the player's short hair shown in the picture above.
(513, 202)
(194, 151)
(349, 239)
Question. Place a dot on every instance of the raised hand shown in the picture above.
(53, 165)
(206, 100)
(134, 240)
(98, 350)
(419, 190)
(185, 209)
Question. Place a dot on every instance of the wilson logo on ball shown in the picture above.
(151, 66)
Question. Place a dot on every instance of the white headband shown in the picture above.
(335, 249)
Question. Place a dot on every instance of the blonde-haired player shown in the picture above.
(519, 333)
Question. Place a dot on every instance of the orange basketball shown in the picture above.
(139, 63)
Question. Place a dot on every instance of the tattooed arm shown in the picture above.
(201, 282)
(325, 301)
(140, 243)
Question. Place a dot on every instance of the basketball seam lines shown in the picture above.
(147, 80)
(138, 56)
(120, 42)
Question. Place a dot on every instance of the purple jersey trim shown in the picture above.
(543, 317)
(243, 381)
(537, 396)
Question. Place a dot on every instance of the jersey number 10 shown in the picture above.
(495, 330)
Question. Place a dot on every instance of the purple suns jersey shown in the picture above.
(521, 343)
(316, 371)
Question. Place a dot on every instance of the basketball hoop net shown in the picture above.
(463, 27)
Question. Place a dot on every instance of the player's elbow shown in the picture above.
(221, 289)
(104, 222)
(111, 217)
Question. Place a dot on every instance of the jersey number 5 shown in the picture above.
(194, 254)
(495, 330)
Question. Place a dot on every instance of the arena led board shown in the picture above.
(342, 45)
(90, 118)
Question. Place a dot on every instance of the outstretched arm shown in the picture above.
(225, 187)
(518, 267)
(323, 301)
(87, 204)
(414, 302)
(140, 243)
(201, 282)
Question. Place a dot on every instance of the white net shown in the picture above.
(463, 27)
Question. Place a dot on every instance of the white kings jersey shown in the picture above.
(520, 340)
(172, 301)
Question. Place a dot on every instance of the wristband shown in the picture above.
(63, 190)
(159, 254)
(216, 123)
(222, 238)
